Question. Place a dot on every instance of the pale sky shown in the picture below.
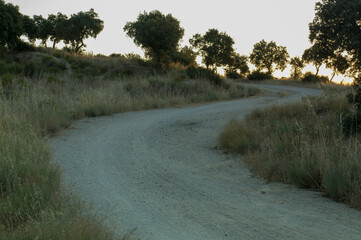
(246, 21)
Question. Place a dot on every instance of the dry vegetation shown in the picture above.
(42, 94)
(312, 144)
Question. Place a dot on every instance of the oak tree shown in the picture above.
(269, 56)
(216, 48)
(157, 34)
(10, 24)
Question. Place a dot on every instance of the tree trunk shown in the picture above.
(317, 69)
(78, 47)
(54, 43)
(334, 74)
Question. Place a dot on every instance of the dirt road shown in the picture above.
(161, 172)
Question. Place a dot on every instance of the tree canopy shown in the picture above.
(10, 24)
(297, 64)
(44, 28)
(79, 27)
(157, 34)
(239, 66)
(317, 55)
(58, 27)
(30, 29)
(338, 63)
(337, 24)
(269, 56)
(185, 56)
(216, 48)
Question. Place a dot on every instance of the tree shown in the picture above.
(269, 56)
(79, 27)
(318, 54)
(157, 34)
(339, 64)
(216, 48)
(45, 28)
(10, 24)
(58, 27)
(337, 24)
(239, 66)
(185, 56)
(297, 65)
(30, 29)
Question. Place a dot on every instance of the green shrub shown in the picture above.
(233, 75)
(193, 72)
(22, 46)
(6, 80)
(355, 97)
(312, 78)
(14, 68)
(33, 69)
(3, 68)
(258, 75)
(127, 72)
(336, 185)
(351, 123)
(58, 54)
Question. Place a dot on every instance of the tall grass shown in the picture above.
(302, 143)
(32, 205)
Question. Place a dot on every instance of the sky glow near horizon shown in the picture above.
(246, 21)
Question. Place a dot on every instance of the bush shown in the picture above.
(258, 75)
(21, 46)
(312, 78)
(233, 75)
(351, 123)
(193, 72)
(355, 97)
(33, 69)
(6, 81)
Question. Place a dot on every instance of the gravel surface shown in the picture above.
(162, 173)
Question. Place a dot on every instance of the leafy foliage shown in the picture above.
(269, 56)
(30, 28)
(157, 34)
(44, 28)
(79, 27)
(297, 65)
(58, 27)
(185, 56)
(337, 24)
(238, 68)
(318, 54)
(312, 78)
(338, 63)
(216, 48)
(10, 24)
(203, 73)
(258, 75)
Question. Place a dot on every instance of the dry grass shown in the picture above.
(296, 83)
(31, 205)
(302, 143)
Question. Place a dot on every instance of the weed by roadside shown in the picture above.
(302, 143)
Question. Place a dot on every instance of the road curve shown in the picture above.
(160, 172)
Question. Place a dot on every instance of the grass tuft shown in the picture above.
(302, 143)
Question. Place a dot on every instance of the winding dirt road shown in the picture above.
(160, 172)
